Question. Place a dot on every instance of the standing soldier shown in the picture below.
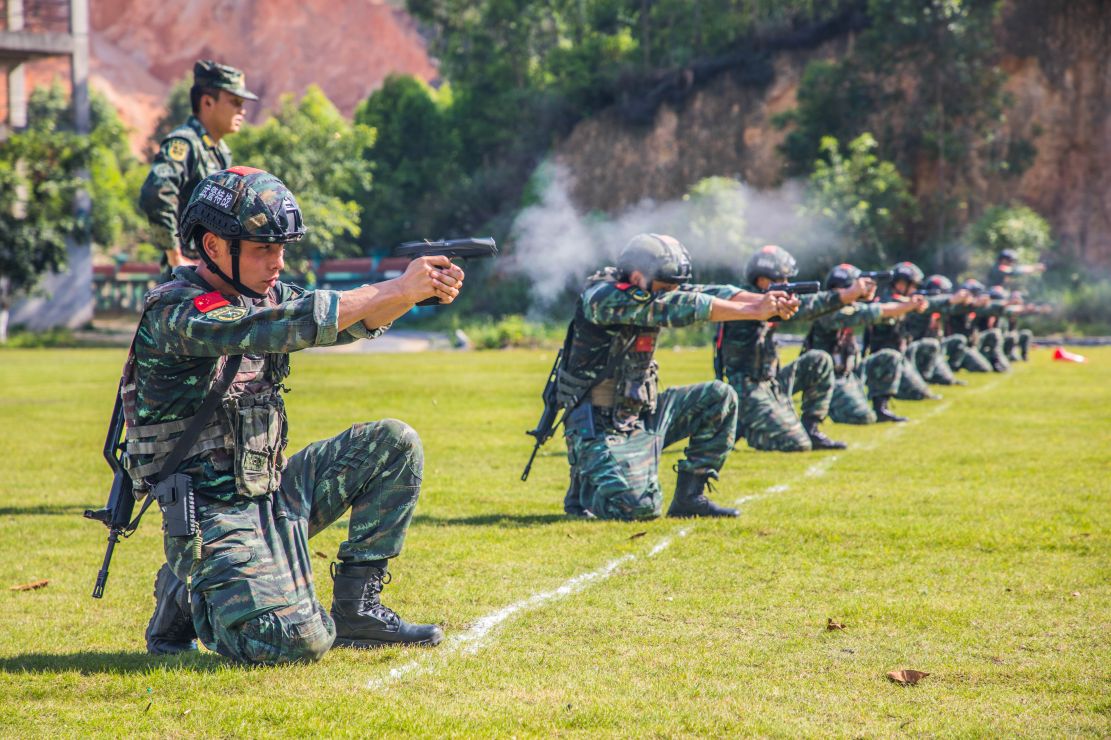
(1006, 268)
(746, 357)
(617, 421)
(208, 364)
(833, 333)
(192, 152)
(891, 333)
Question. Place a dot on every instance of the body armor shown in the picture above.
(246, 436)
(614, 365)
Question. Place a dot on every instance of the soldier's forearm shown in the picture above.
(374, 305)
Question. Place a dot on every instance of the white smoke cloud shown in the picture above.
(721, 222)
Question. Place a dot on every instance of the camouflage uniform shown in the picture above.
(184, 158)
(891, 333)
(990, 327)
(963, 353)
(248, 568)
(747, 359)
(251, 578)
(618, 423)
(935, 367)
(833, 334)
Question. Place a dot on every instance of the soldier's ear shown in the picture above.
(213, 245)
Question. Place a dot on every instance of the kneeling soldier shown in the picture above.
(833, 333)
(617, 421)
(212, 349)
(746, 357)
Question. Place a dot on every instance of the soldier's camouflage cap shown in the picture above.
(207, 73)
(243, 203)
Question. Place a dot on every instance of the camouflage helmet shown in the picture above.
(1008, 254)
(242, 203)
(842, 276)
(771, 262)
(908, 271)
(937, 284)
(998, 293)
(973, 286)
(657, 257)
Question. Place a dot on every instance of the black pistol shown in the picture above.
(467, 248)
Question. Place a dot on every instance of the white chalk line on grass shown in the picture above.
(476, 638)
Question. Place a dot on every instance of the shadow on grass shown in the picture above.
(107, 662)
(44, 510)
(492, 520)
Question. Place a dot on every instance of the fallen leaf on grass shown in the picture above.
(1075, 594)
(996, 659)
(907, 676)
(638, 534)
(33, 585)
(319, 554)
(831, 625)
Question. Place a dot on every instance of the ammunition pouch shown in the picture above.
(260, 431)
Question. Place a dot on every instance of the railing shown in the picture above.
(39, 16)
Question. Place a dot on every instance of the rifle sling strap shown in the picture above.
(189, 437)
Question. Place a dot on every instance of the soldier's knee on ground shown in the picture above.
(285, 636)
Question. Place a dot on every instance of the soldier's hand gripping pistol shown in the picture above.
(467, 248)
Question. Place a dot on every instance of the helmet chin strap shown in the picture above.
(233, 281)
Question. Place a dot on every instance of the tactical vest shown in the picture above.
(748, 349)
(839, 343)
(246, 436)
(613, 366)
(887, 333)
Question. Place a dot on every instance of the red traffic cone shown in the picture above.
(1065, 356)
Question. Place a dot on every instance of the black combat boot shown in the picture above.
(879, 405)
(362, 621)
(818, 440)
(690, 499)
(170, 630)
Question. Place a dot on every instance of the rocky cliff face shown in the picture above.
(1058, 60)
(139, 48)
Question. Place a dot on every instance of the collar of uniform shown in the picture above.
(202, 133)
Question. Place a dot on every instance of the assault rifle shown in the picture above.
(467, 248)
(548, 424)
(116, 515)
(803, 288)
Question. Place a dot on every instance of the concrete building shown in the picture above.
(30, 30)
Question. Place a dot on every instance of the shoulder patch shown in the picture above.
(640, 295)
(210, 301)
(228, 313)
(177, 149)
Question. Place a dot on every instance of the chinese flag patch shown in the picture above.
(645, 343)
(210, 301)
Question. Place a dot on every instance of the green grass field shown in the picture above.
(973, 543)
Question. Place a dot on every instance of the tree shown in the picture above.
(318, 154)
(178, 108)
(38, 183)
(415, 161)
(115, 221)
(864, 199)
